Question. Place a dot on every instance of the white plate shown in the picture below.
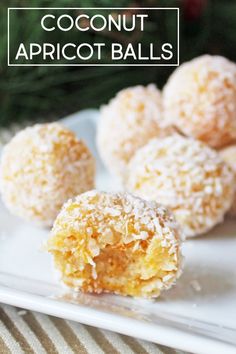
(198, 315)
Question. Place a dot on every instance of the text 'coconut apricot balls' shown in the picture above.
(118, 243)
(199, 99)
(228, 154)
(185, 175)
(41, 167)
(127, 122)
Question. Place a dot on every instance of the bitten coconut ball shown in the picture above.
(200, 100)
(185, 175)
(228, 154)
(41, 167)
(127, 122)
(117, 243)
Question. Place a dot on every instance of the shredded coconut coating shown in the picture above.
(127, 122)
(117, 243)
(228, 154)
(185, 175)
(199, 99)
(41, 168)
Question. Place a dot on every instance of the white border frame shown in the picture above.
(88, 8)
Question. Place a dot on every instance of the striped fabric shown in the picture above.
(23, 331)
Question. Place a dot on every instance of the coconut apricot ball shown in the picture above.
(185, 175)
(228, 154)
(199, 99)
(117, 243)
(127, 122)
(41, 167)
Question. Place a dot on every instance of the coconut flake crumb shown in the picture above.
(195, 285)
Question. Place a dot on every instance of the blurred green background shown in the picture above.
(33, 93)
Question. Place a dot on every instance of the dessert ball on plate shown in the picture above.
(185, 175)
(118, 243)
(127, 122)
(228, 154)
(199, 99)
(41, 167)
